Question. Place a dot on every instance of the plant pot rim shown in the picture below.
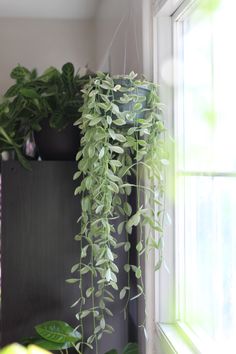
(128, 83)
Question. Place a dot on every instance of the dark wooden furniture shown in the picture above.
(39, 213)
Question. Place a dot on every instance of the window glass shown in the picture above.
(206, 170)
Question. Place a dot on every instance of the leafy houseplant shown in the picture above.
(116, 143)
(60, 336)
(54, 335)
(50, 100)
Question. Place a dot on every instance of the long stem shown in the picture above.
(140, 233)
(93, 306)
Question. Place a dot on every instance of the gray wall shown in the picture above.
(40, 43)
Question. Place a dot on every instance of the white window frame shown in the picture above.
(171, 336)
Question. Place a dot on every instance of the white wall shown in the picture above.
(41, 43)
(117, 20)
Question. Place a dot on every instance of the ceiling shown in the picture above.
(67, 9)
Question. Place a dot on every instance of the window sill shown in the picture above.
(171, 339)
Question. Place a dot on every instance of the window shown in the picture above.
(196, 68)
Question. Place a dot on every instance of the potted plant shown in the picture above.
(121, 141)
(60, 336)
(122, 133)
(45, 105)
(54, 335)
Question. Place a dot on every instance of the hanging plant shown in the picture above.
(122, 133)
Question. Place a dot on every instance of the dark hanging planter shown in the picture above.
(141, 91)
(57, 145)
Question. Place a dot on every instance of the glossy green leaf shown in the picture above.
(58, 332)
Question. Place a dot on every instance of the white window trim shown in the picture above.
(171, 337)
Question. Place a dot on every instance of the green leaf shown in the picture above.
(113, 187)
(119, 122)
(101, 153)
(127, 268)
(127, 209)
(131, 348)
(58, 332)
(115, 163)
(120, 138)
(72, 280)
(117, 149)
(120, 227)
(108, 275)
(132, 130)
(77, 175)
(109, 120)
(29, 93)
(79, 154)
(99, 209)
(138, 273)
(84, 251)
(113, 177)
(123, 293)
(112, 134)
(85, 270)
(75, 268)
(95, 121)
(127, 246)
(102, 323)
(12, 91)
(112, 351)
(20, 73)
(134, 220)
(89, 182)
(110, 254)
(89, 291)
(68, 75)
(138, 106)
(139, 246)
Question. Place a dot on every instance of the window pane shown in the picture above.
(210, 249)
(206, 133)
(209, 76)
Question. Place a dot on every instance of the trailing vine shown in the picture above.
(122, 133)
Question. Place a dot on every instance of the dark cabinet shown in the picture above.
(39, 213)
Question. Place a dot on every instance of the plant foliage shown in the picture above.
(122, 134)
(54, 335)
(55, 95)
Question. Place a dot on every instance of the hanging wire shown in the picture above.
(135, 33)
(112, 41)
(127, 18)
